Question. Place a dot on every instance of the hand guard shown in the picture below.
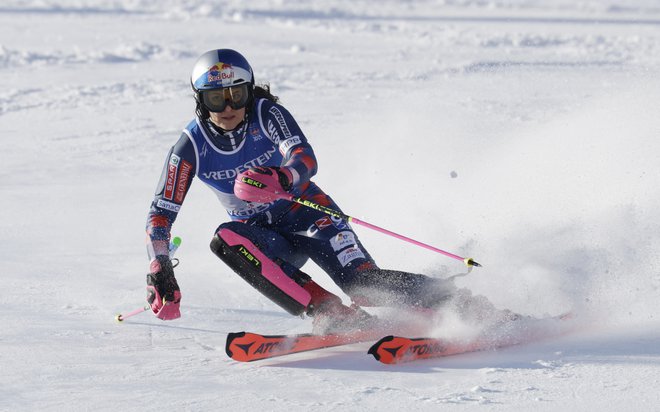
(263, 184)
(163, 293)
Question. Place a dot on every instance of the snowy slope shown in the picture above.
(523, 133)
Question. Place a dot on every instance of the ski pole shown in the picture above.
(122, 316)
(173, 246)
(468, 261)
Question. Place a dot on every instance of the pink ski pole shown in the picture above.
(468, 261)
(122, 316)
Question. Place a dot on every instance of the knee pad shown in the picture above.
(250, 263)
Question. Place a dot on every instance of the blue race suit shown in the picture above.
(286, 231)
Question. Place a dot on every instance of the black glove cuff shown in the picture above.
(283, 179)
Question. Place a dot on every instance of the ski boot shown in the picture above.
(331, 316)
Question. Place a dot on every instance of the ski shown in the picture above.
(248, 347)
(398, 349)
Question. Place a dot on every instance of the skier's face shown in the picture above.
(229, 118)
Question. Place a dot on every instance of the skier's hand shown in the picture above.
(163, 293)
(263, 184)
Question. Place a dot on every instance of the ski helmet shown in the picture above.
(217, 69)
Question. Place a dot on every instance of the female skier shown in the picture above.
(249, 150)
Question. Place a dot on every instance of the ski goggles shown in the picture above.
(217, 100)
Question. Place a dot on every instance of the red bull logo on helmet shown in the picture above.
(221, 72)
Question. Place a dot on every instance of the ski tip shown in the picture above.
(233, 335)
(230, 338)
(374, 349)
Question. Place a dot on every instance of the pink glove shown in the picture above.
(163, 294)
(263, 184)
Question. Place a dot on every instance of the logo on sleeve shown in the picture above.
(182, 182)
(289, 143)
(163, 204)
(279, 117)
(170, 183)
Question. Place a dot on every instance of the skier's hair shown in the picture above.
(263, 91)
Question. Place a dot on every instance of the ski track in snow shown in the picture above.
(522, 133)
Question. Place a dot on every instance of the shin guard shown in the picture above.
(250, 263)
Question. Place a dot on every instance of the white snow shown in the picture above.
(523, 133)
